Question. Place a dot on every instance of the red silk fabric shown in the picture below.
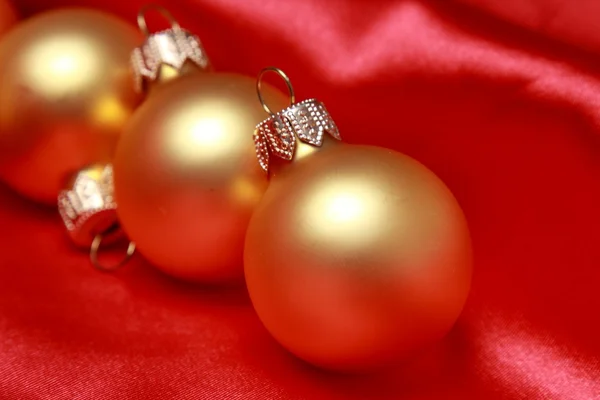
(501, 98)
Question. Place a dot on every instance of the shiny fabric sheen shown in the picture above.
(500, 98)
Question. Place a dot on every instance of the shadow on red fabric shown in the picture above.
(500, 98)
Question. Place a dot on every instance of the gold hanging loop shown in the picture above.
(94, 255)
(141, 17)
(283, 76)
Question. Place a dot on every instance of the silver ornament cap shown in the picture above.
(87, 206)
(306, 121)
(173, 47)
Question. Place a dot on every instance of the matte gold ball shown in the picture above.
(357, 257)
(66, 92)
(186, 177)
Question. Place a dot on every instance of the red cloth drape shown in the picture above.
(500, 98)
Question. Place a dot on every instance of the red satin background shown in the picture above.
(500, 98)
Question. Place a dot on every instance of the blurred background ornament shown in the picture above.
(88, 199)
(186, 178)
(357, 256)
(88, 211)
(65, 95)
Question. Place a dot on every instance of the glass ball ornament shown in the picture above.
(357, 256)
(65, 95)
(186, 180)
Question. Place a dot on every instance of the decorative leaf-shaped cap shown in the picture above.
(87, 206)
(308, 121)
(88, 210)
(173, 47)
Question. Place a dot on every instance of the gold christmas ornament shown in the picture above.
(186, 180)
(65, 95)
(357, 256)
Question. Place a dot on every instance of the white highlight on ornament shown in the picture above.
(344, 208)
(347, 205)
(207, 132)
(203, 140)
(56, 57)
